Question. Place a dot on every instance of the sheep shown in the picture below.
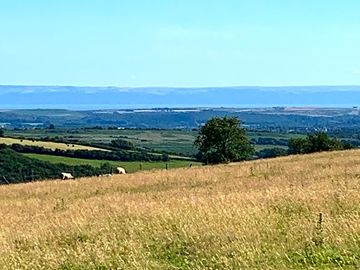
(120, 170)
(66, 176)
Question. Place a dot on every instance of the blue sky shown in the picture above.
(179, 43)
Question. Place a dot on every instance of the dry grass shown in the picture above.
(49, 145)
(253, 215)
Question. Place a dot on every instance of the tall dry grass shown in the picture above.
(253, 215)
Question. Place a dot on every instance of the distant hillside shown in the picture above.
(276, 118)
(298, 212)
(75, 98)
(259, 107)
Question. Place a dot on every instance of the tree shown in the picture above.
(122, 144)
(51, 126)
(317, 142)
(321, 141)
(1, 132)
(223, 140)
(297, 146)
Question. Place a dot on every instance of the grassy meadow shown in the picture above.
(130, 166)
(297, 212)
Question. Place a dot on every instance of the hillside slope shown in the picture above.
(253, 215)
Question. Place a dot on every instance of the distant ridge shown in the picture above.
(73, 97)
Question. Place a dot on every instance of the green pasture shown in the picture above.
(174, 141)
(131, 166)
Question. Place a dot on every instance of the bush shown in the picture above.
(120, 155)
(271, 152)
(122, 144)
(317, 142)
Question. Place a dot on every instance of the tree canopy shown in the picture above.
(316, 142)
(223, 140)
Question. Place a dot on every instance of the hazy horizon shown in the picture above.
(87, 98)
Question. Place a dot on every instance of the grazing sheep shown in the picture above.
(121, 170)
(67, 176)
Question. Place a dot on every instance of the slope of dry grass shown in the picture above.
(252, 215)
(49, 145)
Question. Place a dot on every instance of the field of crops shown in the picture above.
(296, 212)
(169, 140)
(176, 141)
(50, 145)
(131, 166)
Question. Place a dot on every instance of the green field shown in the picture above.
(171, 141)
(268, 146)
(131, 166)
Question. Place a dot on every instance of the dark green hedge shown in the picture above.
(120, 155)
(16, 168)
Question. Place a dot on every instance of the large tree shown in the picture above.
(223, 140)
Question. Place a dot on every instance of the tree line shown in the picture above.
(317, 142)
(114, 145)
(17, 168)
(120, 155)
(223, 140)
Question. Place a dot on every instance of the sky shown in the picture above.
(187, 43)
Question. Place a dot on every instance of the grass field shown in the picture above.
(131, 166)
(262, 214)
(170, 140)
(177, 141)
(49, 145)
(268, 146)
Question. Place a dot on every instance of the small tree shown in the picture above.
(122, 144)
(297, 146)
(223, 140)
(165, 157)
(1, 132)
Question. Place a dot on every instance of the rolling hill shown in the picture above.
(296, 212)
